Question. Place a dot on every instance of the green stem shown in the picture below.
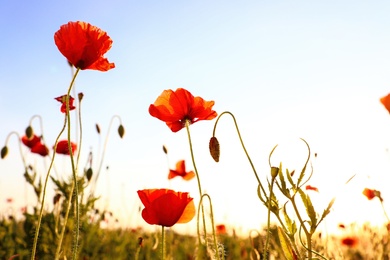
(57, 256)
(77, 233)
(104, 150)
(212, 222)
(268, 220)
(187, 124)
(33, 252)
(302, 224)
(162, 243)
(242, 144)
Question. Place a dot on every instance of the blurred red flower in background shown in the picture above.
(62, 147)
(309, 187)
(30, 142)
(166, 207)
(350, 241)
(181, 171)
(221, 229)
(62, 100)
(40, 149)
(386, 102)
(370, 194)
(84, 45)
(177, 107)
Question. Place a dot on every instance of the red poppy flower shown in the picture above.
(309, 187)
(177, 107)
(30, 142)
(350, 241)
(62, 100)
(84, 45)
(166, 207)
(221, 229)
(62, 147)
(9, 200)
(181, 171)
(386, 102)
(369, 193)
(40, 149)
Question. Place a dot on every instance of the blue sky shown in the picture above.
(286, 69)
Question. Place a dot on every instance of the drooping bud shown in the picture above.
(88, 174)
(214, 148)
(274, 172)
(80, 96)
(4, 152)
(165, 149)
(97, 129)
(121, 131)
(29, 132)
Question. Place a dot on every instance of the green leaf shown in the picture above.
(285, 243)
(327, 210)
(291, 226)
(309, 208)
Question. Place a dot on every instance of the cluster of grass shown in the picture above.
(97, 242)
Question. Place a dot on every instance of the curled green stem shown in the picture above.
(212, 222)
(187, 124)
(242, 144)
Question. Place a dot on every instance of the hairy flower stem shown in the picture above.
(187, 123)
(242, 144)
(302, 225)
(268, 220)
(34, 249)
(162, 242)
(57, 256)
(74, 173)
(104, 150)
(212, 223)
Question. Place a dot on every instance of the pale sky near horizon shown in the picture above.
(285, 69)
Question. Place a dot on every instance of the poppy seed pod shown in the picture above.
(214, 148)
(4, 152)
(274, 172)
(165, 150)
(121, 131)
(29, 132)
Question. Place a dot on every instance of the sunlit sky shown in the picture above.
(285, 69)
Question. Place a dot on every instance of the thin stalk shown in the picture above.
(77, 233)
(242, 144)
(58, 251)
(187, 124)
(34, 249)
(162, 243)
(268, 220)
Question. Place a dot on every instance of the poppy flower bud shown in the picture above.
(214, 148)
(4, 152)
(80, 96)
(97, 128)
(121, 131)
(274, 172)
(88, 174)
(29, 132)
(165, 149)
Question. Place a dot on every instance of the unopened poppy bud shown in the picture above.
(274, 172)
(80, 96)
(97, 128)
(29, 132)
(121, 131)
(165, 149)
(88, 174)
(140, 240)
(214, 148)
(4, 152)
